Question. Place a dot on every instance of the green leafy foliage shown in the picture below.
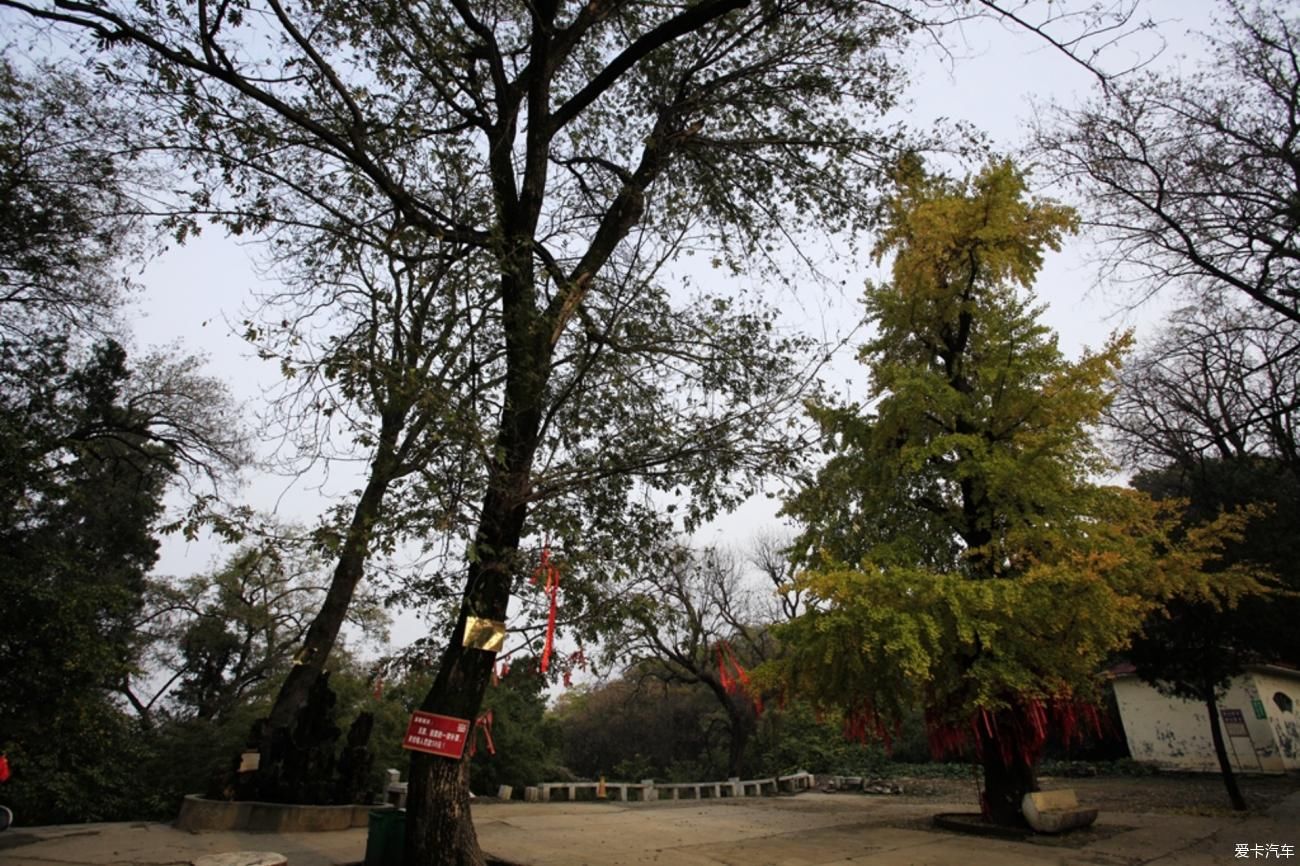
(182, 755)
(1193, 648)
(661, 730)
(678, 733)
(86, 760)
(526, 740)
(797, 737)
(227, 637)
(81, 491)
(956, 550)
(64, 203)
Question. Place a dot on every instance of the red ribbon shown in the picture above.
(576, 660)
(725, 678)
(727, 656)
(549, 576)
(740, 671)
(483, 723)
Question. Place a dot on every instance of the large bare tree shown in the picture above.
(1217, 382)
(1192, 178)
(697, 621)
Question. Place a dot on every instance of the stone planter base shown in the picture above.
(198, 813)
(974, 823)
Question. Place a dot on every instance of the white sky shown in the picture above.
(195, 296)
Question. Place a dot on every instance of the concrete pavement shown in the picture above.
(808, 830)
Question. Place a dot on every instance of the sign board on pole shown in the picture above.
(443, 736)
(1234, 723)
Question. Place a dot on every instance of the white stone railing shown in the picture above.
(645, 791)
(648, 790)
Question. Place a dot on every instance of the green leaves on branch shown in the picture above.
(956, 551)
(885, 636)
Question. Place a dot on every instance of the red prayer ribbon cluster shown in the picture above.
(483, 723)
(865, 725)
(549, 577)
(1019, 732)
(740, 682)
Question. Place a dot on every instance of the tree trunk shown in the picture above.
(740, 719)
(743, 720)
(739, 740)
(439, 831)
(1221, 751)
(439, 828)
(324, 630)
(1006, 782)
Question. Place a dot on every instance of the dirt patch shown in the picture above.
(1166, 793)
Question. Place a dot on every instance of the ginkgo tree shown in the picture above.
(955, 548)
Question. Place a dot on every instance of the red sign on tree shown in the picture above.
(444, 736)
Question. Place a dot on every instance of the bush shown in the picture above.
(527, 743)
(86, 768)
(794, 739)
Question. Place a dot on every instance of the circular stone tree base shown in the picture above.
(242, 858)
(974, 823)
(199, 813)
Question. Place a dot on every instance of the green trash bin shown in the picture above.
(386, 837)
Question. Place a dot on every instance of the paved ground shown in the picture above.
(808, 830)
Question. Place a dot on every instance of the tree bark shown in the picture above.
(742, 720)
(1221, 752)
(739, 740)
(439, 830)
(324, 629)
(1006, 782)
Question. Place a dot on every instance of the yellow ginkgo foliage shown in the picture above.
(956, 548)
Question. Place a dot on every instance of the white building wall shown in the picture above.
(1280, 695)
(1167, 732)
(1175, 734)
(1244, 697)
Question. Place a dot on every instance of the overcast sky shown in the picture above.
(195, 296)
